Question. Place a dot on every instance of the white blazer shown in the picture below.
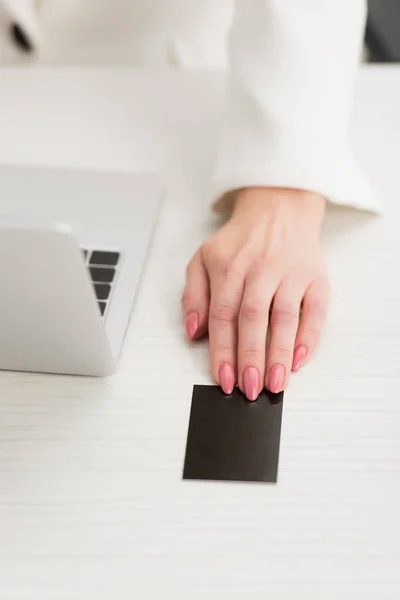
(291, 70)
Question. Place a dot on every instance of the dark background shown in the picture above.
(383, 31)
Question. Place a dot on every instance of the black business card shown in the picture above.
(232, 439)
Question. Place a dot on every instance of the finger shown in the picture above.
(226, 295)
(284, 325)
(253, 325)
(196, 298)
(315, 304)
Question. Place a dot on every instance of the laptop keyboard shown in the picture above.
(102, 266)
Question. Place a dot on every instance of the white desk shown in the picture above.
(92, 504)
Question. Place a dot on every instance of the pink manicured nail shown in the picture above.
(251, 383)
(276, 378)
(192, 324)
(300, 355)
(226, 376)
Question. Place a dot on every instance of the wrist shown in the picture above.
(259, 204)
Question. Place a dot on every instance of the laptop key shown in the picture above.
(100, 257)
(102, 275)
(102, 306)
(102, 290)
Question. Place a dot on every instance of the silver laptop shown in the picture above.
(72, 249)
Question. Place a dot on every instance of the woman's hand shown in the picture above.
(267, 256)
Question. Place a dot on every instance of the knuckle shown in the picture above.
(212, 254)
(287, 315)
(223, 313)
(252, 353)
(260, 265)
(184, 298)
(310, 333)
(316, 308)
(227, 269)
(224, 350)
(250, 311)
(231, 270)
(283, 352)
(218, 264)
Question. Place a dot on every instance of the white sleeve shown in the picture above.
(290, 88)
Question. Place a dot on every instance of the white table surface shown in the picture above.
(92, 504)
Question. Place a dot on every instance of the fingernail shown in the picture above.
(276, 378)
(251, 383)
(226, 376)
(192, 324)
(300, 355)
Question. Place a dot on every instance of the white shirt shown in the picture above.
(291, 70)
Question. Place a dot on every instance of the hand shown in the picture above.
(267, 256)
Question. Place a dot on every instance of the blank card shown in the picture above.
(232, 439)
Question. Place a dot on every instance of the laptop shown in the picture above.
(73, 245)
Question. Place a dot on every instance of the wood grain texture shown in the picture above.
(92, 502)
